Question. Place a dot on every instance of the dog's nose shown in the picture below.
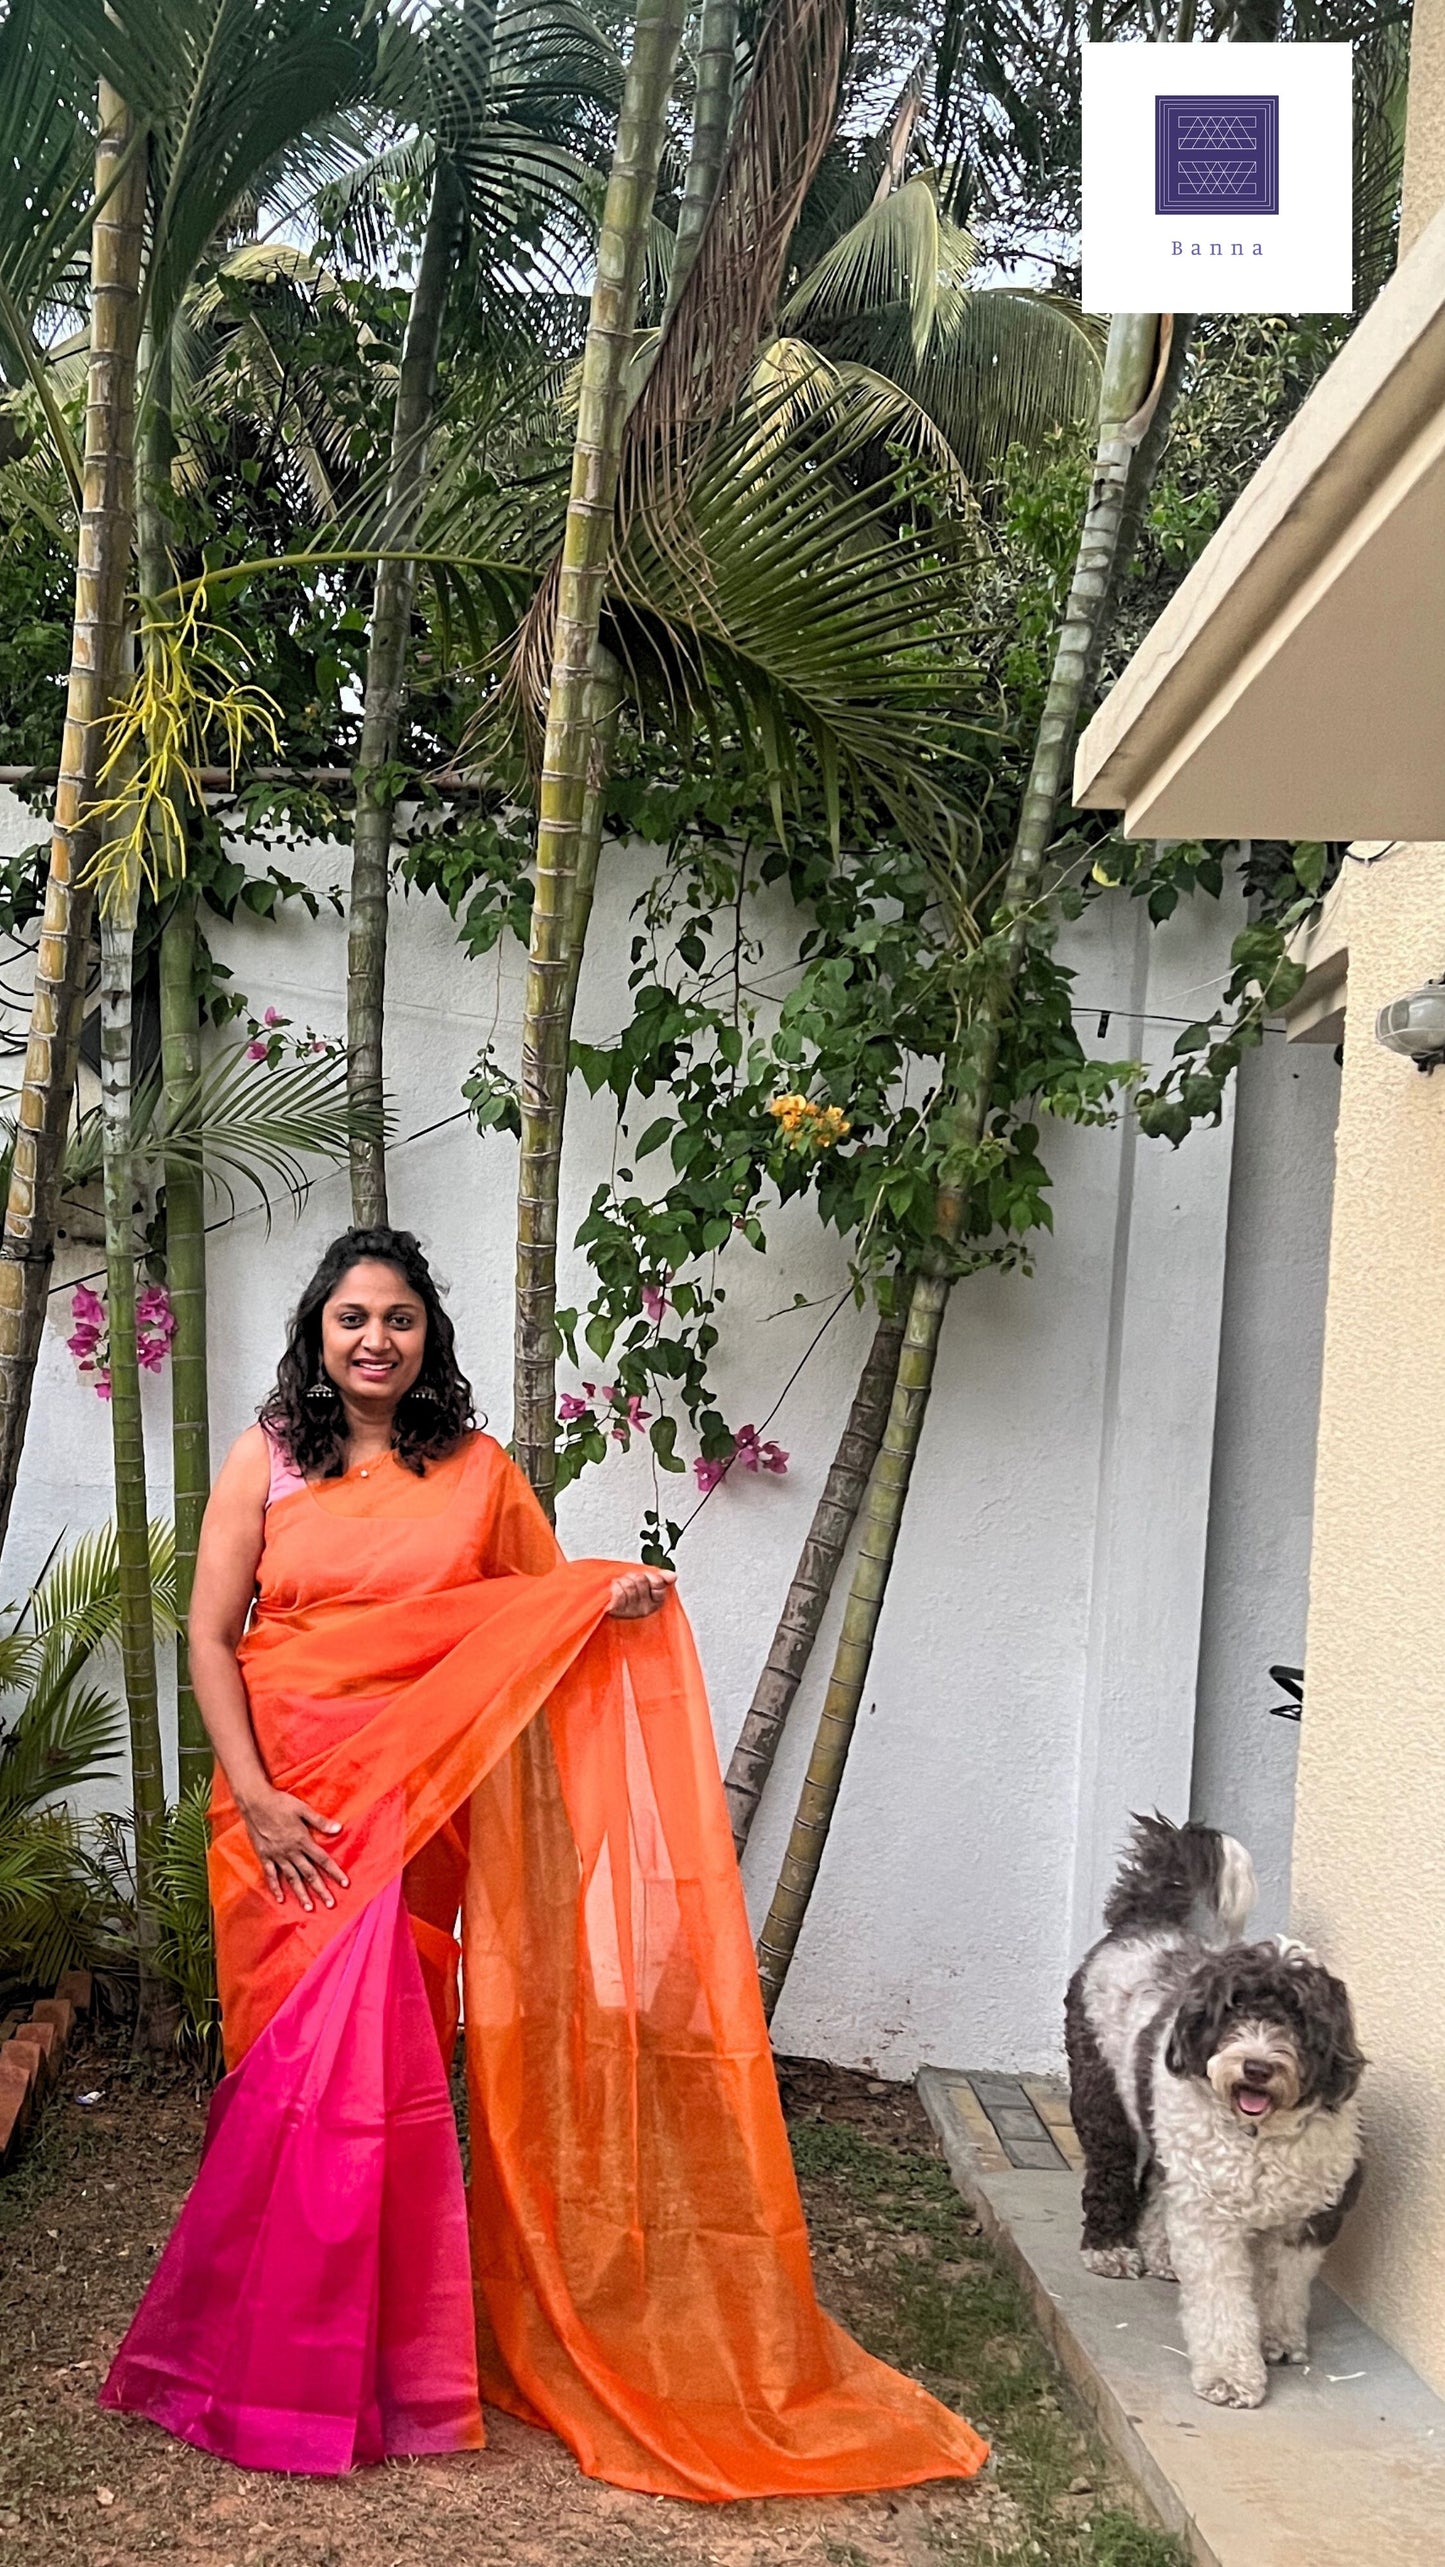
(1257, 2072)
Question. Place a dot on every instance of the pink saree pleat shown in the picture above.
(303, 2316)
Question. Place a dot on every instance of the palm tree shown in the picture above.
(102, 573)
(186, 1282)
(631, 462)
(493, 102)
(723, 532)
(812, 1581)
(1141, 372)
(195, 107)
(712, 107)
(571, 733)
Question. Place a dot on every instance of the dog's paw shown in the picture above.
(1114, 2263)
(1276, 2348)
(1159, 2264)
(1243, 2388)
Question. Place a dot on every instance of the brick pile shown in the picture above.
(31, 2050)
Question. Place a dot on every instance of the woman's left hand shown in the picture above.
(640, 1592)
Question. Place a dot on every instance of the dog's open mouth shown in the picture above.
(1254, 2105)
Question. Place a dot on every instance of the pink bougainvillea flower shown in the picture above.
(258, 1051)
(87, 1306)
(637, 1415)
(102, 1387)
(707, 1473)
(153, 1310)
(273, 1016)
(773, 1458)
(570, 1408)
(654, 1302)
(748, 1449)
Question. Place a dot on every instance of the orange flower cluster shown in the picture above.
(807, 1125)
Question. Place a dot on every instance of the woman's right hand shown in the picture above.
(284, 1831)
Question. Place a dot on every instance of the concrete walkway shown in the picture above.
(1343, 2466)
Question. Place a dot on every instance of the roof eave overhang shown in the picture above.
(1291, 688)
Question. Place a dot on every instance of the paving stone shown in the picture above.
(983, 2137)
(1039, 2155)
(1343, 2465)
(1017, 2122)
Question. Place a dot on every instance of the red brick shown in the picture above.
(76, 1985)
(39, 2037)
(17, 2077)
(20, 2059)
(56, 2010)
(13, 2097)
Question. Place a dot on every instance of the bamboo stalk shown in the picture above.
(813, 1580)
(711, 117)
(186, 1278)
(102, 565)
(412, 422)
(1132, 364)
(180, 1071)
(568, 760)
(137, 1619)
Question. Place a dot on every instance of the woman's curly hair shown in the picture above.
(431, 1418)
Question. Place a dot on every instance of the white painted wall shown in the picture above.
(1262, 1491)
(1036, 1671)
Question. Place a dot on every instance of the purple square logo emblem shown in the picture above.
(1216, 155)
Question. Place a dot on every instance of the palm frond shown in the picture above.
(74, 1606)
(797, 589)
(797, 384)
(56, 1746)
(1002, 368)
(222, 87)
(727, 307)
(58, 1900)
(902, 252)
(187, 1955)
(242, 1120)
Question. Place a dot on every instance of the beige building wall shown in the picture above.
(1369, 1859)
(1424, 122)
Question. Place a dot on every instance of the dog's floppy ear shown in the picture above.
(1330, 2055)
(1206, 2006)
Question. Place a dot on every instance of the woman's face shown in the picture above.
(373, 1336)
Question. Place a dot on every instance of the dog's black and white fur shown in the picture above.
(1213, 2085)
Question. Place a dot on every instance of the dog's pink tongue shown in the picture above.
(1255, 2105)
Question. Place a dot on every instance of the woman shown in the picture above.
(422, 1712)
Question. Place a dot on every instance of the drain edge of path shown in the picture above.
(1344, 2464)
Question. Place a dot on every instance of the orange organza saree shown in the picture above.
(631, 2267)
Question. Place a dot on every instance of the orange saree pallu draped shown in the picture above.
(425, 1667)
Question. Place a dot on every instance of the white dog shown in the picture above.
(1213, 2086)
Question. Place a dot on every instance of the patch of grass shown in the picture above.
(933, 2298)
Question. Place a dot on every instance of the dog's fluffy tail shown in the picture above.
(1190, 1878)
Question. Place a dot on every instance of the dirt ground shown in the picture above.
(898, 2261)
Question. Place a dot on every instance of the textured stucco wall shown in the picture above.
(1262, 1485)
(1369, 1874)
(1035, 1673)
(1424, 190)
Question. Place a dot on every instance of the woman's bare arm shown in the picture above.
(282, 1829)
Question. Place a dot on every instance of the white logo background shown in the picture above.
(1298, 260)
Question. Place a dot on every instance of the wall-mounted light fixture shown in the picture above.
(1415, 1026)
